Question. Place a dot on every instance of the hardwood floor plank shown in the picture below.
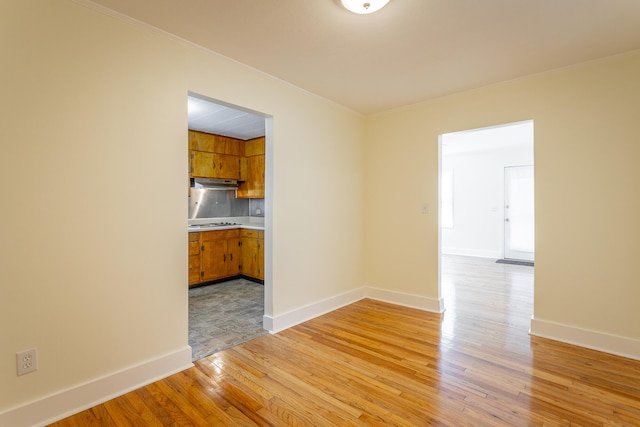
(123, 413)
(180, 410)
(102, 415)
(377, 364)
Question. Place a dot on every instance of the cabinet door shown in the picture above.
(226, 166)
(250, 256)
(201, 164)
(194, 258)
(253, 186)
(260, 266)
(214, 257)
(254, 147)
(212, 165)
(228, 145)
(234, 256)
(201, 141)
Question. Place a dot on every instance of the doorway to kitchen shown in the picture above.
(486, 211)
(229, 217)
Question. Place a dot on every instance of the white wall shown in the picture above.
(478, 198)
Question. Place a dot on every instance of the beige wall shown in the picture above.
(93, 165)
(587, 146)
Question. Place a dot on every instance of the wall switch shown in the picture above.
(27, 361)
(425, 208)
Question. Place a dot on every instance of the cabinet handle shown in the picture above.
(224, 257)
(202, 248)
(220, 165)
(230, 257)
(214, 164)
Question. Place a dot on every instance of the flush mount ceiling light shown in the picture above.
(364, 6)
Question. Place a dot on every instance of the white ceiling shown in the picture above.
(211, 117)
(488, 139)
(409, 52)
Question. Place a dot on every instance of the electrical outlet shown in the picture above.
(27, 361)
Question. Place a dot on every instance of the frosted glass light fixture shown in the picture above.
(364, 6)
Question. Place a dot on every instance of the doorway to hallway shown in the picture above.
(486, 197)
(474, 193)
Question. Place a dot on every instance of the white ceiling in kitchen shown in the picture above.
(211, 117)
(410, 51)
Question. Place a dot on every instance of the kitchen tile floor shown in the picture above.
(223, 315)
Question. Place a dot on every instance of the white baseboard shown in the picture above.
(275, 324)
(406, 300)
(480, 253)
(73, 400)
(620, 346)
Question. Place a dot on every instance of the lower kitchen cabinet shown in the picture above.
(194, 258)
(219, 255)
(252, 253)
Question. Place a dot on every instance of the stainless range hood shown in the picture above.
(214, 184)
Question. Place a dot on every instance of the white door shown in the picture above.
(519, 242)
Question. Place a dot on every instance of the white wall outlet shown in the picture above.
(27, 361)
(425, 208)
(258, 211)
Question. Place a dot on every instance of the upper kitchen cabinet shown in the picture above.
(253, 185)
(216, 156)
(201, 141)
(213, 165)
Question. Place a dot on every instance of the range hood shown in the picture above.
(214, 184)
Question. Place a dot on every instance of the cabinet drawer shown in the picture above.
(194, 237)
(255, 234)
(220, 234)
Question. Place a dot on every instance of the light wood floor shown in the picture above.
(374, 363)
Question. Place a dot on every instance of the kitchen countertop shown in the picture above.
(251, 223)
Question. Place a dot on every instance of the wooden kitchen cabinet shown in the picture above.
(194, 258)
(219, 255)
(214, 165)
(216, 156)
(201, 141)
(253, 185)
(214, 256)
(253, 253)
(234, 254)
